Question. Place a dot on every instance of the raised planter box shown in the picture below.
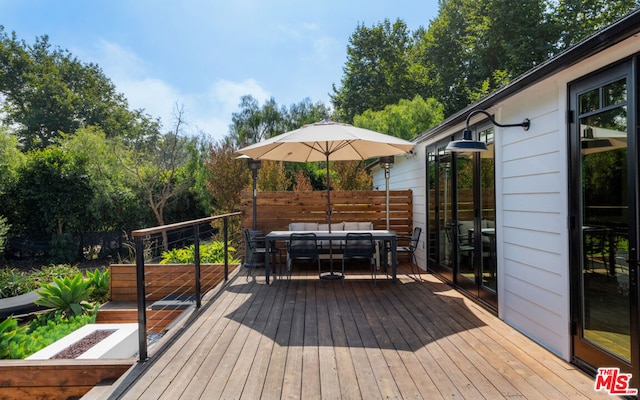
(57, 379)
(122, 343)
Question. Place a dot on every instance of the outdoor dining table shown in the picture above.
(381, 235)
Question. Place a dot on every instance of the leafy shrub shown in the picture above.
(69, 296)
(14, 282)
(210, 253)
(99, 282)
(20, 342)
(4, 229)
(47, 273)
(8, 333)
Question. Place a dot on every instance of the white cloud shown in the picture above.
(208, 111)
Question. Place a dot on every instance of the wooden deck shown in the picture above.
(409, 339)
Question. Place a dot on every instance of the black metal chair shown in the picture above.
(256, 250)
(302, 246)
(464, 247)
(411, 247)
(360, 246)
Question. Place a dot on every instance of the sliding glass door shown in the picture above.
(462, 200)
(604, 169)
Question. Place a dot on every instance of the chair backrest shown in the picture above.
(247, 238)
(415, 238)
(359, 245)
(303, 245)
(254, 239)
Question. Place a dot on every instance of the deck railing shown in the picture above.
(147, 249)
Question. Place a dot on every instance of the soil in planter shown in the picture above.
(83, 344)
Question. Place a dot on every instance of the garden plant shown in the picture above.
(73, 303)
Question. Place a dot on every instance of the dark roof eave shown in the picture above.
(607, 37)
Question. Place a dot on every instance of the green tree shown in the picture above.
(475, 46)
(51, 195)
(406, 119)
(157, 163)
(574, 20)
(4, 230)
(377, 70)
(115, 202)
(198, 173)
(440, 53)
(254, 123)
(305, 112)
(504, 41)
(11, 158)
(47, 91)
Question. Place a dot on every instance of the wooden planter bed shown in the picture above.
(63, 379)
(57, 379)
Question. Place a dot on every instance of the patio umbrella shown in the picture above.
(327, 141)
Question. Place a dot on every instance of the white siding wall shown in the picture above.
(532, 202)
(531, 182)
(408, 172)
(532, 205)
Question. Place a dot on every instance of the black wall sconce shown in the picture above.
(468, 144)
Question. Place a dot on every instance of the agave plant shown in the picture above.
(99, 281)
(68, 296)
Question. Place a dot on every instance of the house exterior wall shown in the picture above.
(409, 172)
(531, 201)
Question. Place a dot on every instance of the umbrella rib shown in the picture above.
(326, 149)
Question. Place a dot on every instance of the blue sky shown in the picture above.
(205, 54)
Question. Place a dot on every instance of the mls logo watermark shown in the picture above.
(614, 382)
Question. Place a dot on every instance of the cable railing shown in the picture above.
(173, 286)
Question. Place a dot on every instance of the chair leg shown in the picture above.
(374, 266)
(342, 271)
(319, 272)
(250, 269)
(414, 267)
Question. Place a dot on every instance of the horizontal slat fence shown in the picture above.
(162, 280)
(275, 210)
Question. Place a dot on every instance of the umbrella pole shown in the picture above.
(331, 274)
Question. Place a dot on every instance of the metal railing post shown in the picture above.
(142, 309)
(139, 236)
(226, 248)
(196, 256)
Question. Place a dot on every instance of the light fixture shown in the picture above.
(387, 163)
(254, 166)
(468, 144)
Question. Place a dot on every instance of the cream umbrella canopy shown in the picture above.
(327, 141)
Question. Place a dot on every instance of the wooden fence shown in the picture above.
(275, 210)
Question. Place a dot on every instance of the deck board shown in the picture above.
(306, 339)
